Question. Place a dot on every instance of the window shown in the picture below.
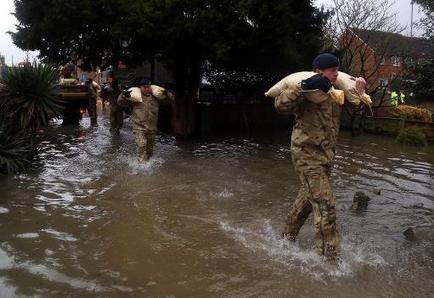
(408, 60)
(396, 61)
(383, 82)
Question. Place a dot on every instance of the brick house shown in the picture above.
(381, 56)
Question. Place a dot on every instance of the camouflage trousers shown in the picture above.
(93, 113)
(116, 119)
(145, 144)
(315, 195)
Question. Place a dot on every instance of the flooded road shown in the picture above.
(204, 219)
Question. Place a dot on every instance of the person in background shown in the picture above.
(92, 88)
(116, 111)
(397, 98)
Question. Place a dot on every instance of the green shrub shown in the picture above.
(412, 136)
(14, 152)
(29, 97)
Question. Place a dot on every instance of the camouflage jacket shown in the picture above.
(93, 89)
(314, 137)
(145, 113)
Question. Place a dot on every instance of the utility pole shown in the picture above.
(411, 24)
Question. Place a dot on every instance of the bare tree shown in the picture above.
(353, 30)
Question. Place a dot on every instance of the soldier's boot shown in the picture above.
(149, 145)
(327, 241)
(297, 216)
(141, 154)
(294, 222)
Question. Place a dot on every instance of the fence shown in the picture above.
(389, 126)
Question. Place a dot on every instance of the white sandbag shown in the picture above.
(344, 82)
(67, 82)
(288, 82)
(161, 94)
(136, 95)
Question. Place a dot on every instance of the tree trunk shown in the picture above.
(187, 81)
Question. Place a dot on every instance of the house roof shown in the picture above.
(396, 44)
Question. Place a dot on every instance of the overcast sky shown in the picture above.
(8, 21)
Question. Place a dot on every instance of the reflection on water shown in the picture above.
(203, 218)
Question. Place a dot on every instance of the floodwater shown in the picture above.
(203, 219)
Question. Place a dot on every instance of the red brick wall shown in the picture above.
(366, 62)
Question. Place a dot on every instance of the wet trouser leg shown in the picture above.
(145, 144)
(316, 192)
(92, 110)
(298, 214)
(150, 140)
(324, 211)
(116, 119)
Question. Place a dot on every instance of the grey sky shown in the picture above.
(7, 23)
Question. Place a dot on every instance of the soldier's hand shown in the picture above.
(126, 93)
(360, 85)
(316, 82)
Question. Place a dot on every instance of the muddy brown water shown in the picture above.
(203, 219)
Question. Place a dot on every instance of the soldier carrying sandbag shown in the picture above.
(92, 88)
(316, 105)
(145, 103)
(116, 111)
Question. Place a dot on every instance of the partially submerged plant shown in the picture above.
(412, 136)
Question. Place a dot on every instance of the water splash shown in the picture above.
(142, 168)
(293, 256)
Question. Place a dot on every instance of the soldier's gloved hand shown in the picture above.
(317, 82)
(126, 93)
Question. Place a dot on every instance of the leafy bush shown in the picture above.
(412, 113)
(14, 152)
(29, 97)
(411, 136)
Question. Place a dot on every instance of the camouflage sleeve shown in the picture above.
(288, 102)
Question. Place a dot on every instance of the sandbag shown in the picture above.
(136, 95)
(343, 82)
(67, 82)
(158, 92)
(289, 82)
(161, 94)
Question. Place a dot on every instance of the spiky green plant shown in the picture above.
(14, 151)
(29, 96)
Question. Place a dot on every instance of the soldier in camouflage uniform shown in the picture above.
(145, 119)
(92, 88)
(116, 111)
(313, 147)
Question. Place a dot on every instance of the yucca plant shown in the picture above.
(14, 151)
(29, 96)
